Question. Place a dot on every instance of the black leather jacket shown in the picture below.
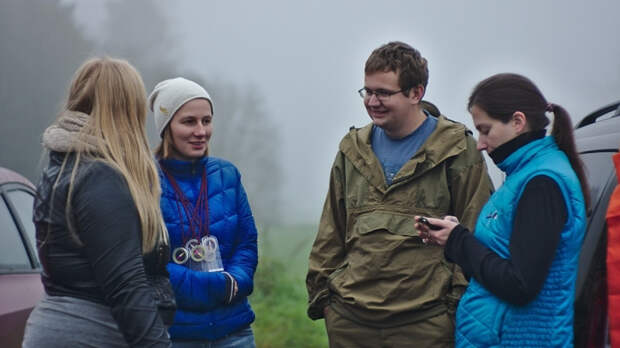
(102, 261)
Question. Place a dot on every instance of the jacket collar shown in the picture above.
(447, 140)
(181, 168)
(525, 153)
(504, 150)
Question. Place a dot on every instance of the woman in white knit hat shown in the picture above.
(210, 224)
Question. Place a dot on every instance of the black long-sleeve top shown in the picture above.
(106, 265)
(539, 219)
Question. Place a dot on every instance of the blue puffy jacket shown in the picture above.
(483, 320)
(203, 313)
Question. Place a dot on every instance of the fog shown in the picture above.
(300, 65)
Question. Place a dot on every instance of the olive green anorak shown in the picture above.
(368, 262)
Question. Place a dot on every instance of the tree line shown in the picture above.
(42, 45)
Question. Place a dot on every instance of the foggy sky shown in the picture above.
(307, 57)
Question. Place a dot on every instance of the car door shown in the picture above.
(591, 288)
(20, 281)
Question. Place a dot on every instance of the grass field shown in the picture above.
(280, 299)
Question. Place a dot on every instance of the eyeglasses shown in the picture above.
(381, 94)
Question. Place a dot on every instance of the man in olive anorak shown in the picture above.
(370, 275)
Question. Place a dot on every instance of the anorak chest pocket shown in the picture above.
(388, 266)
(386, 243)
(398, 224)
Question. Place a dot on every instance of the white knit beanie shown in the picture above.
(169, 95)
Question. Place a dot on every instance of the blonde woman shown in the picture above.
(99, 227)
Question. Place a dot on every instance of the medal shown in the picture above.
(198, 253)
(213, 258)
(210, 245)
(191, 244)
(180, 255)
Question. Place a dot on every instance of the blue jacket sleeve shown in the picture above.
(243, 262)
(195, 290)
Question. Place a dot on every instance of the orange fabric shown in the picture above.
(613, 260)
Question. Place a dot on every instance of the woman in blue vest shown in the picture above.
(211, 228)
(522, 257)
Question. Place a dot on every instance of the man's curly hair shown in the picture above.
(404, 60)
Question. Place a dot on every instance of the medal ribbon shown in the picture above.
(198, 215)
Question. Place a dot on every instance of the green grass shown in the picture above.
(280, 299)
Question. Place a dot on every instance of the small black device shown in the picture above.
(424, 221)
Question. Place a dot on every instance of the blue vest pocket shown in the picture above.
(479, 317)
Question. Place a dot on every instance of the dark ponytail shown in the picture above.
(501, 95)
(562, 132)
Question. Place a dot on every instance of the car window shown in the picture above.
(599, 166)
(23, 203)
(13, 255)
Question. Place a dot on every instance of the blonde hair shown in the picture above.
(111, 91)
(166, 147)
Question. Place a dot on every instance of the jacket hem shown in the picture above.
(368, 318)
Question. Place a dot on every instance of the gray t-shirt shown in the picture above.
(394, 153)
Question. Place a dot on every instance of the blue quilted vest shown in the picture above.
(483, 320)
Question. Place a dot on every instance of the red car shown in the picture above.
(20, 280)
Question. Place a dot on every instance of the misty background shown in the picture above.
(284, 74)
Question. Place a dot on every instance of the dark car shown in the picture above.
(597, 137)
(20, 280)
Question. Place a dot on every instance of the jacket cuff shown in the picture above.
(318, 304)
(449, 251)
(230, 283)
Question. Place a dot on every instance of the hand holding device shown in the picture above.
(435, 234)
(425, 221)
